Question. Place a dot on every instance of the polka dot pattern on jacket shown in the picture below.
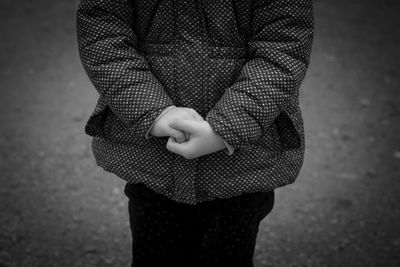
(238, 63)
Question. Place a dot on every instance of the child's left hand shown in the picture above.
(203, 140)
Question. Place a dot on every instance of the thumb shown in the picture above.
(178, 135)
(184, 125)
(175, 147)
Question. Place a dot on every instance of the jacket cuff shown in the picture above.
(233, 135)
(163, 112)
(229, 149)
(141, 128)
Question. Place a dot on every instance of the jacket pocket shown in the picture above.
(116, 131)
(95, 123)
(289, 125)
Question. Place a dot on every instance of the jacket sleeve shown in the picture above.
(279, 53)
(108, 50)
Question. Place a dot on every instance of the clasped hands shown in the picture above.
(189, 134)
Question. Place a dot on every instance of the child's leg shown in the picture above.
(162, 229)
(231, 236)
(221, 232)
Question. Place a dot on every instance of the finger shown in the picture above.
(176, 147)
(178, 135)
(188, 126)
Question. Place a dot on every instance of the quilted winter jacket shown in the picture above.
(238, 63)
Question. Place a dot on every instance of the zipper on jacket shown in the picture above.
(204, 58)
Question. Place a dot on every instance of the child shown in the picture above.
(199, 113)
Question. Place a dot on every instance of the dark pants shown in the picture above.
(221, 232)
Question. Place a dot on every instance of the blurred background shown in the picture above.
(59, 209)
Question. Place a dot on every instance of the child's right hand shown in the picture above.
(203, 139)
(162, 128)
